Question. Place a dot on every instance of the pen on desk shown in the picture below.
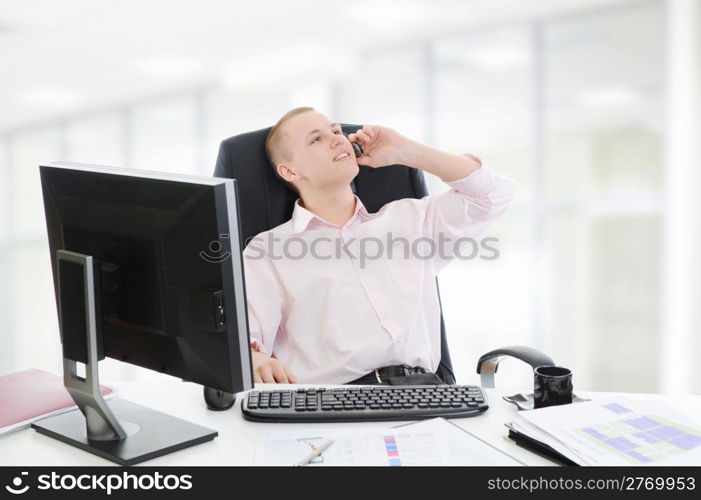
(318, 451)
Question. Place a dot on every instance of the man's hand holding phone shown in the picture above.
(269, 370)
(382, 146)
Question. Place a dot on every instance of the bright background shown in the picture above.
(591, 106)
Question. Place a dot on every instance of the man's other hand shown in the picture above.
(270, 370)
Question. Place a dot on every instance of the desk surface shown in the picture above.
(238, 438)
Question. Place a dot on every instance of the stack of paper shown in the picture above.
(429, 442)
(617, 431)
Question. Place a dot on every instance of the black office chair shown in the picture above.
(266, 202)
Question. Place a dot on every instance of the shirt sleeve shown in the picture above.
(459, 216)
(265, 299)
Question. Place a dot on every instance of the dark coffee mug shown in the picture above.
(552, 385)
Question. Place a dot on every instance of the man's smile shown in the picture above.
(342, 156)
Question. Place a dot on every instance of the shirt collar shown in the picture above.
(302, 218)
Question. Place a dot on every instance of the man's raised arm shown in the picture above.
(478, 195)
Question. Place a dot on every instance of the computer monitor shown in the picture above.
(148, 270)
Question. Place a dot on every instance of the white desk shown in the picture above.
(236, 444)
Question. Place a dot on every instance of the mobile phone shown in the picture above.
(358, 149)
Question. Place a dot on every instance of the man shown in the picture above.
(336, 292)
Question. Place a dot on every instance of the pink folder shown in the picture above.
(32, 393)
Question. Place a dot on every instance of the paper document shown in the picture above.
(429, 442)
(617, 431)
(18, 426)
(30, 395)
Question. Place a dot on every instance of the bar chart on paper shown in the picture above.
(392, 451)
(617, 432)
(388, 449)
(641, 439)
(429, 442)
(376, 448)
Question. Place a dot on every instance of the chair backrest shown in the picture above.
(266, 202)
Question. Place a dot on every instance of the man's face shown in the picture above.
(317, 148)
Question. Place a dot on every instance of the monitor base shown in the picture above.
(158, 433)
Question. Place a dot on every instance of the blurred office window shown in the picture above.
(6, 173)
(484, 99)
(32, 313)
(487, 303)
(34, 308)
(603, 189)
(389, 88)
(232, 112)
(97, 139)
(483, 94)
(30, 149)
(7, 340)
(680, 345)
(164, 136)
(572, 106)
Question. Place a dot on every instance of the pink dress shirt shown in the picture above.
(333, 304)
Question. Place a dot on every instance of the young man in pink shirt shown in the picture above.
(336, 292)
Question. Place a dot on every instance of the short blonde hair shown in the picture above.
(276, 147)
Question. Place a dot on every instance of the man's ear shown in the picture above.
(287, 173)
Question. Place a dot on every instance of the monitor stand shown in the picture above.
(120, 431)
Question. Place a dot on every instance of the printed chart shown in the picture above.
(641, 439)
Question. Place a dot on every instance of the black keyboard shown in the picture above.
(369, 403)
